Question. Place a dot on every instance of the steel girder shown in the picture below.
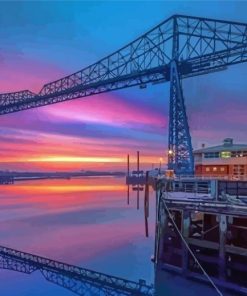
(76, 279)
(204, 45)
(198, 45)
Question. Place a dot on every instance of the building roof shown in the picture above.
(226, 146)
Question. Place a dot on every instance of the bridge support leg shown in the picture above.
(180, 154)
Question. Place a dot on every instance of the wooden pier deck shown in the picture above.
(211, 216)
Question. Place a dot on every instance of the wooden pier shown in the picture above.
(206, 219)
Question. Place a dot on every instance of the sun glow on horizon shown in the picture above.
(63, 188)
(71, 163)
(75, 159)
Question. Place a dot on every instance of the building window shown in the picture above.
(225, 154)
(238, 153)
(207, 169)
(222, 169)
(215, 169)
(238, 170)
(211, 155)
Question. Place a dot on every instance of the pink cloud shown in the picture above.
(108, 109)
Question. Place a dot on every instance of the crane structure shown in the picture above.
(79, 280)
(179, 47)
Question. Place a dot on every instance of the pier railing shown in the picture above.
(213, 177)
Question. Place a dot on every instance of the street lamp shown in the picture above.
(170, 152)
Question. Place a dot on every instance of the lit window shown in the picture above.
(214, 169)
(207, 169)
(222, 169)
(225, 154)
(237, 154)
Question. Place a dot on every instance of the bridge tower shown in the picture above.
(180, 152)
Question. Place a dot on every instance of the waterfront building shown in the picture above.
(228, 160)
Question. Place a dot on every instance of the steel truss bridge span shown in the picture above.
(76, 279)
(179, 47)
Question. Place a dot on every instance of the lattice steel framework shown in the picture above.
(180, 47)
(76, 279)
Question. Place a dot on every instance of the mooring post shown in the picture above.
(128, 174)
(146, 203)
(157, 224)
(138, 174)
(161, 225)
(185, 232)
(222, 257)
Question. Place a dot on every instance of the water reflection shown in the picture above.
(85, 222)
(80, 221)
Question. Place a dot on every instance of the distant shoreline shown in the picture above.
(31, 176)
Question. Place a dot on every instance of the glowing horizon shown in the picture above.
(74, 159)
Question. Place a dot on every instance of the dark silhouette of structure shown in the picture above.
(79, 280)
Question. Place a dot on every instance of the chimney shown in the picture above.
(228, 142)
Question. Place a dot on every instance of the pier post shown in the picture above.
(138, 172)
(222, 257)
(128, 174)
(138, 161)
(146, 204)
(161, 225)
(185, 232)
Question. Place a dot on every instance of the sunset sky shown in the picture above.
(43, 41)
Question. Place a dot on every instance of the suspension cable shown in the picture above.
(189, 249)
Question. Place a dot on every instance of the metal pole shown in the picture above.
(146, 204)
(138, 197)
(138, 174)
(128, 195)
(128, 174)
(138, 162)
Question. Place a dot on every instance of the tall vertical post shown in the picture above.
(146, 203)
(138, 162)
(222, 251)
(180, 152)
(185, 231)
(160, 225)
(138, 186)
(128, 174)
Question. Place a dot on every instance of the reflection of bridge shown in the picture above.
(76, 279)
(179, 47)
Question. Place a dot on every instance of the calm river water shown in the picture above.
(85, 222)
